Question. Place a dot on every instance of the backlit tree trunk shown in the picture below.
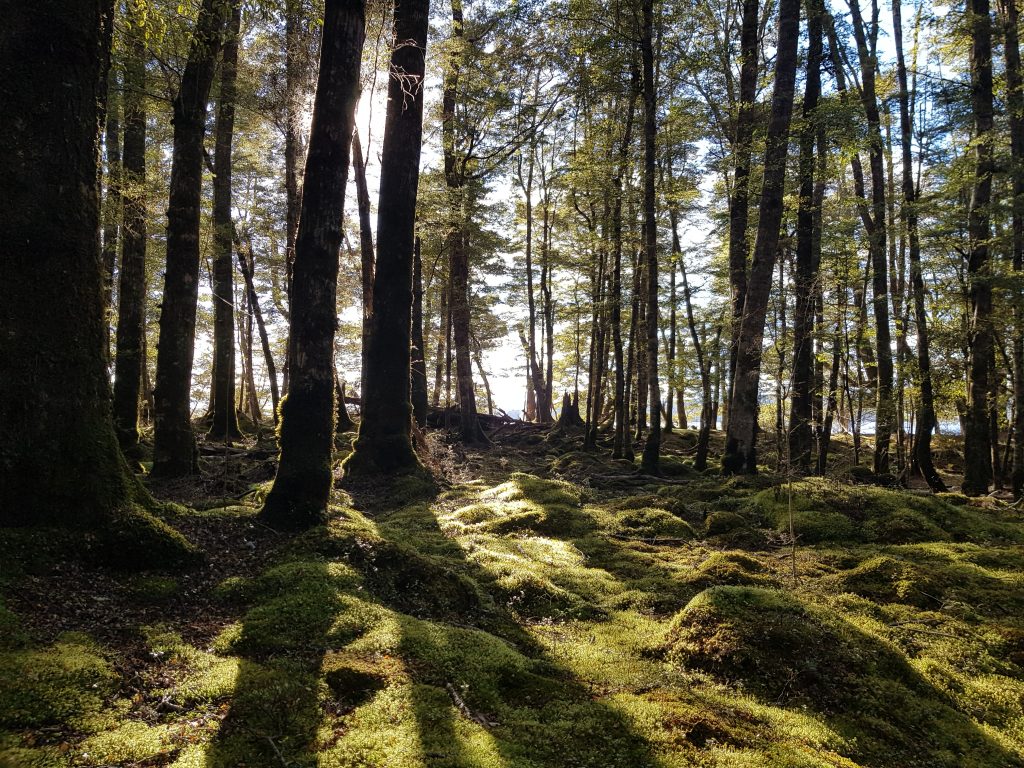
(174, 449)
(302, 485)
(384, 444)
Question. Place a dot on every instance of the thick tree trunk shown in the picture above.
(60, 462)
(652, 448)
(130, 359)
(808, 258)
(174, 449)
(739, 202)
(223, 422)
(384, 444)
(1015, 104)
(302, 486)
(741, 438)
(977, 434)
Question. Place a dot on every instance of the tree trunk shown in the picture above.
(302, 486)
(366, 253)
(419, 363)
(741, 438)
(247, 264)
(174, 449)
(130, 359)
(808, 258)
(1015, 104)
(384, 444)
(977, 434)
(652, 448)
(223, 422)
(885, 410)
(113, 204)
(61, 463)
(922, 447)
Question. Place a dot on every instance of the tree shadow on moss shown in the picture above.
(486, 693)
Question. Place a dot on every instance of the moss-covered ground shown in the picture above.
(545, 607)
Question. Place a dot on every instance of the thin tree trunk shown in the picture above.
(366, 252)
(922, 446)
(808, 258)
(224, 424)
(113, 205)
(977, 435)
(248, 268)
(419, 363)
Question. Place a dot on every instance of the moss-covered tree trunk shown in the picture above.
(223, 421)
(384, 444)
(302, 485)
(129, 357)
(59, 458)
(174, 449)
(741, 436)
(977, 433)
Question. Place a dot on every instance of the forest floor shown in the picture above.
(544, 607)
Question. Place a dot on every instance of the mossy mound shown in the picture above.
(800, 655)
(525, 503)
(887, 579)
(732, 569)
(825, 510)
(719, 523)
(66, 682)
(136, 540)
(649, 523)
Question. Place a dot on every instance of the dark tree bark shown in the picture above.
(384, 444)
(977, 434)
(174, 449)
(60, 462)
(419, 363)
(302, 485)
(1015, 104)
(620, 445)
(247, 266)
(223, 422)
(739, 203)
(113, 205)
(876, 230)
(652, 448)
(922, 448)
(367, 257)
(130, 359)
(741, 437)
(808, 257)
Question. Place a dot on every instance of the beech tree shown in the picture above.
(60, 462)
(384, 444)
(298, 497)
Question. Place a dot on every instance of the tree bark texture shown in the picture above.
(302, 485)
(741, 437)
(223, 422)
(174, 449)
(384, 444)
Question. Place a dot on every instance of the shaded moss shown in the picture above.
(730, 568)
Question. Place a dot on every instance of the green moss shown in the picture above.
(718, 523)
(136, 541)
(62, 683)
(649, 523)
(730, 568)
(11, 634)
(889, 580)
(130, 742)
(815, 527)
(792, 652)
